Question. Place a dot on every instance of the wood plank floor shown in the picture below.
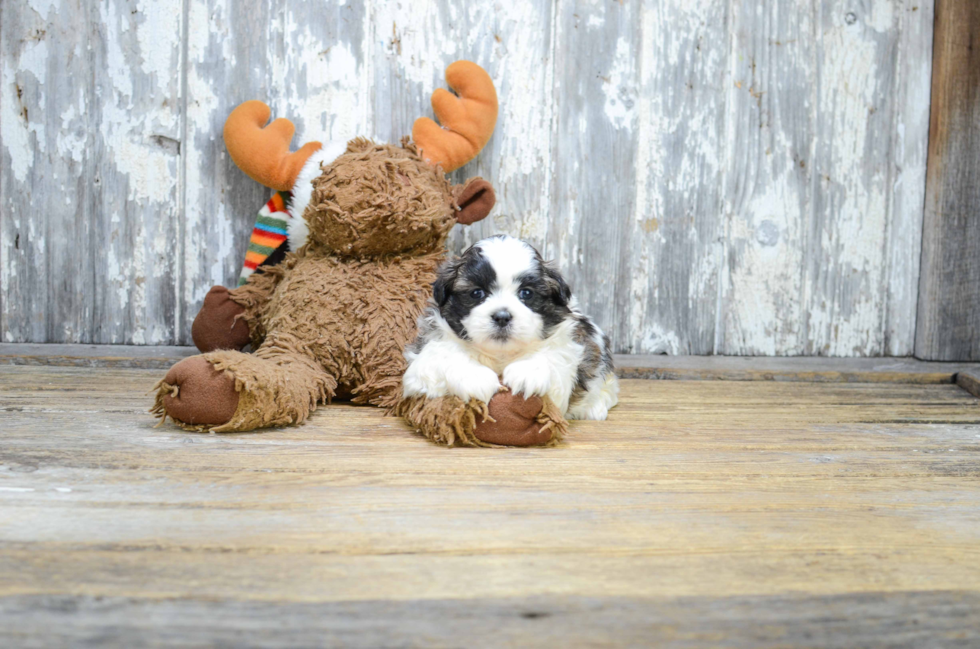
(702, 513)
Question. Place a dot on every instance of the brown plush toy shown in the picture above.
(332, 320)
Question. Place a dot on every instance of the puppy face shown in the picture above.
(500, 295)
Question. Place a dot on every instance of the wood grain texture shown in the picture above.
(843, 621)
(90, 129)
(135, 356)
(949, 286)
(597, 89)
(697, 508)
(231, 57)
(512, 40)
(714, 178)
(824, 370)
(767, 188)
(969, 380)
(825, 188)
(667, 300)
(860, 114)
(632, 366)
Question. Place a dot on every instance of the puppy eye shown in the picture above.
(525, 294)
(477, 294)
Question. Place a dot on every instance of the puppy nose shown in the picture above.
(502, 317)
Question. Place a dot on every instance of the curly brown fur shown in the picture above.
(380, 199)
(333, 318)
(275, 388)
(550, 417)
(451, 422)
(255, 294)
(353, 316)
(446, 420)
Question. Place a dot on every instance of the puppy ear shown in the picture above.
(442, 288)
(475, 200)
(557, 287)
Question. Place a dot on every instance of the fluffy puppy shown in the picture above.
(500, 311)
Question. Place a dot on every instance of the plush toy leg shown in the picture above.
(220, 324)
(508, 420)
(230, 319)
(229, 391)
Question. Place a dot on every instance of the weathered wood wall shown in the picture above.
(714, 177)
(949, 286)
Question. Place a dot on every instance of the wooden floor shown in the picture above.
(702, 513)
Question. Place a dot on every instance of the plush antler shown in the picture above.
(467, 120)
(263, 153)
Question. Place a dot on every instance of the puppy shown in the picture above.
(500, 310)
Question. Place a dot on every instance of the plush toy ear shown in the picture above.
(442, 288)
(475, 200)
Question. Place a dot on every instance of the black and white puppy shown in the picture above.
(500, 310)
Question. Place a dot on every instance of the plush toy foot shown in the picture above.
(515, 422)
(195, 394)
(218, 326)
(508, 420)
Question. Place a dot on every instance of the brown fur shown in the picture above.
(450, 421)
(446, 420)
(379, 200)
(334, 318)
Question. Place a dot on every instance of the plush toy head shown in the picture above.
(364, 199)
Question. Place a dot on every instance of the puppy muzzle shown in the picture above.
(501, 322)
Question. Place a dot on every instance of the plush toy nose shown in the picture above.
(502, 318)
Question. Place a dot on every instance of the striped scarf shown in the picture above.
(268, 244)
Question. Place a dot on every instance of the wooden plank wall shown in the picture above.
(714, 177)
(949, 287)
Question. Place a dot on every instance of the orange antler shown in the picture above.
(467, 120)
(263, 153)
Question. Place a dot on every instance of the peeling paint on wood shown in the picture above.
(722, 178)
(90, 101)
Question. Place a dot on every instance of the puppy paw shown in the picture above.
(595, 412)
(530, 377)
(473, 382)
(424, 379)
(433, 378)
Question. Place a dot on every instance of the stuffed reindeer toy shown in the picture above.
(367, 226)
